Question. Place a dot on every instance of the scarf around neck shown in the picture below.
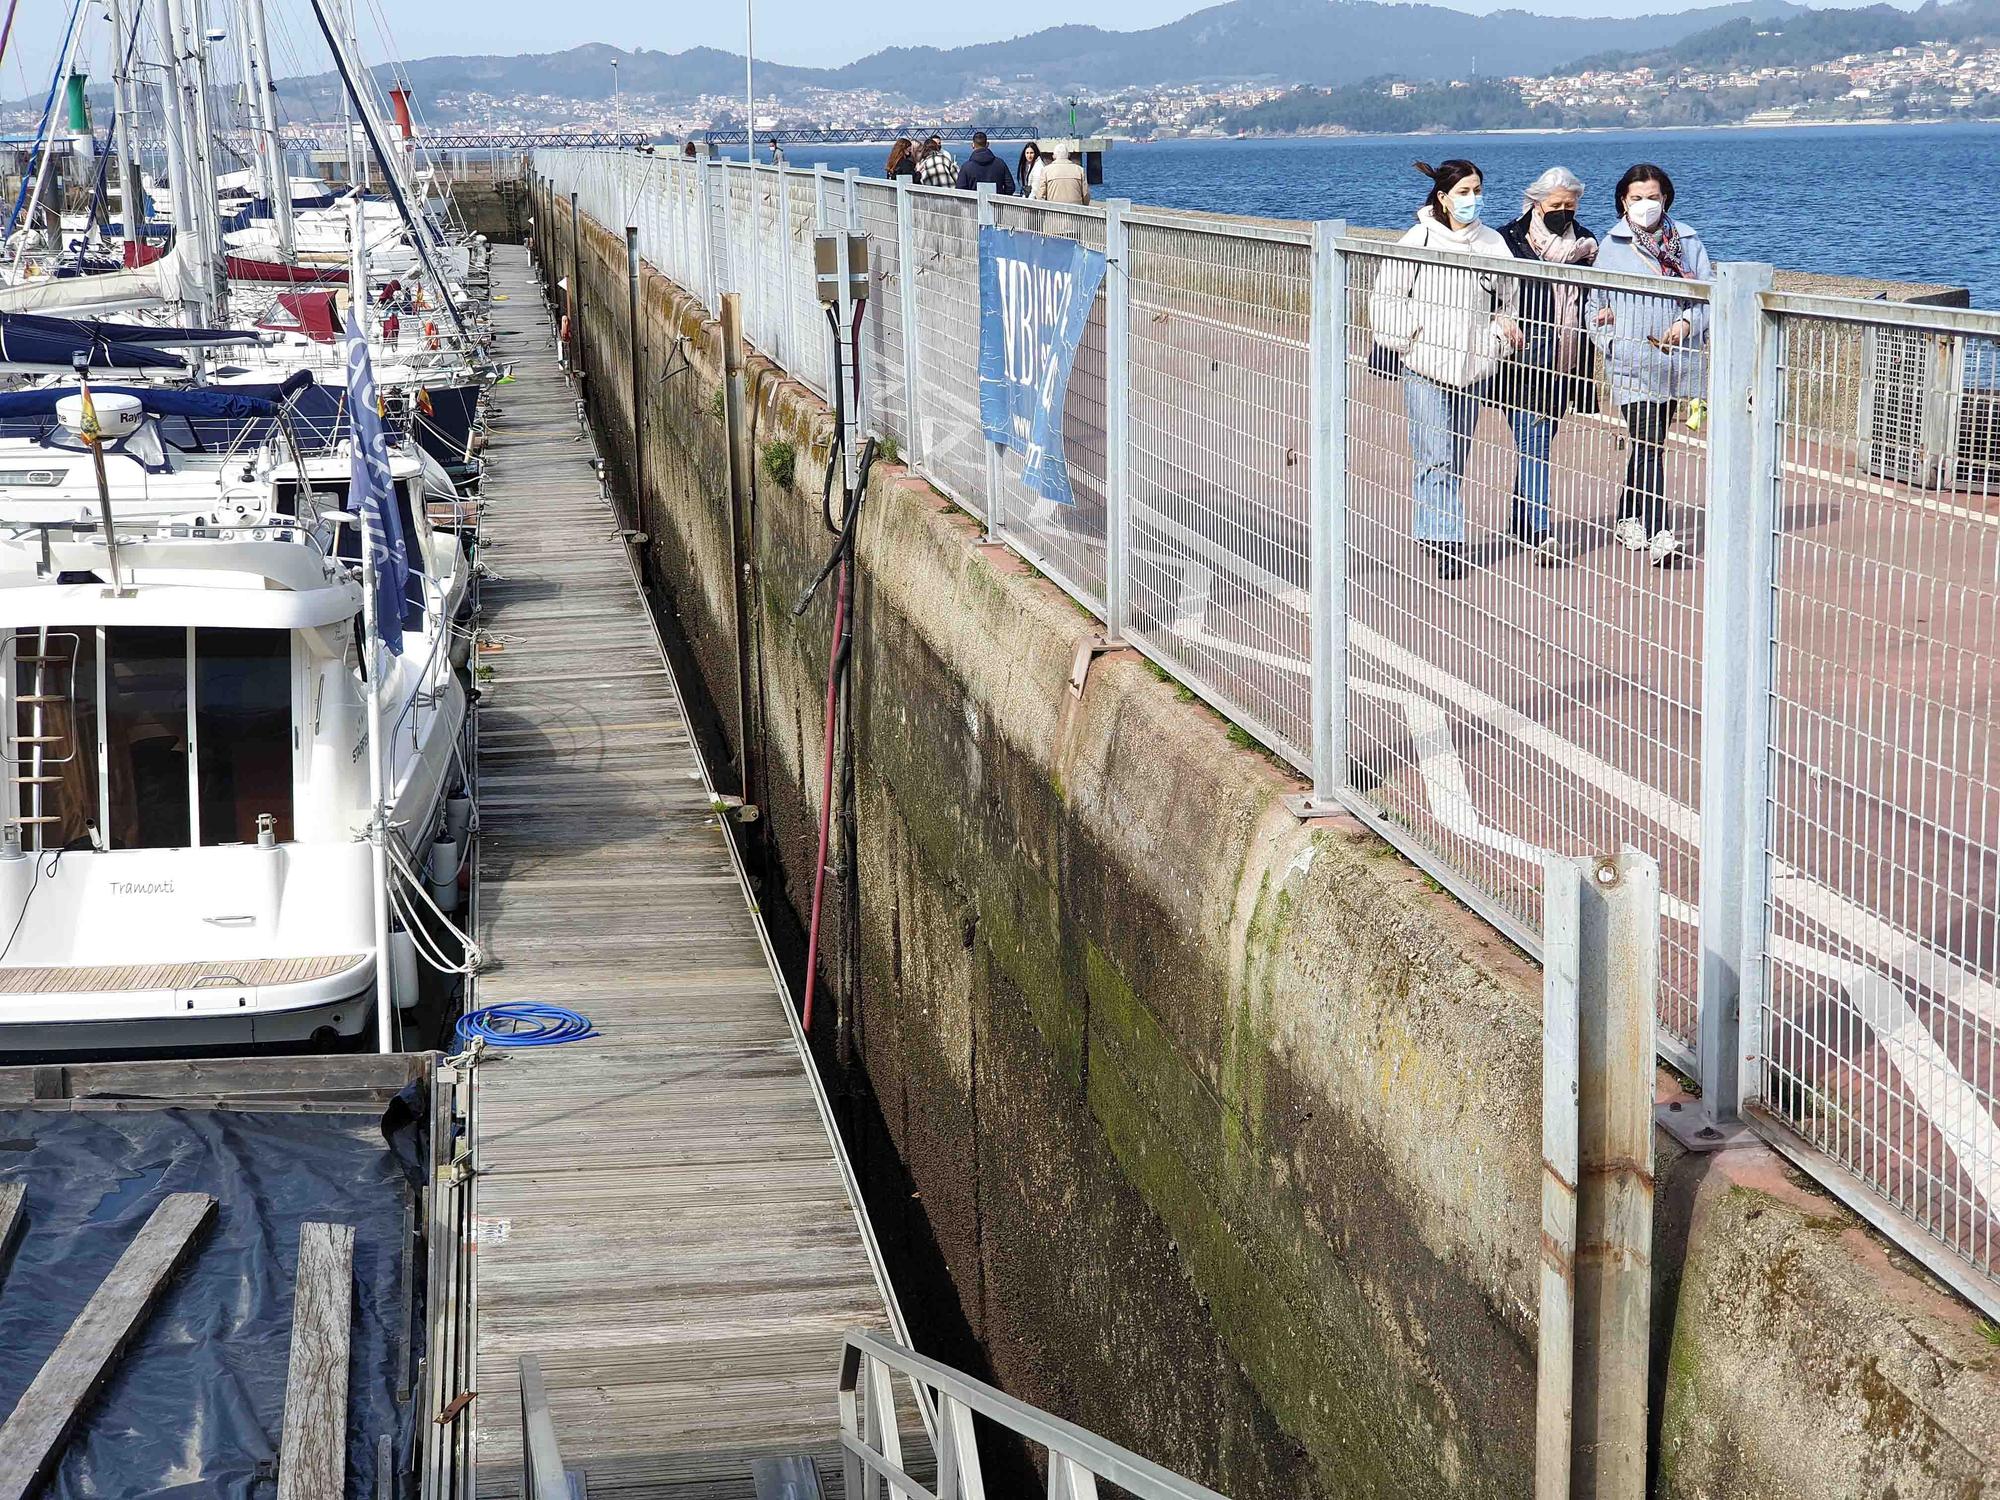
(1663, 246)
(1566, 249)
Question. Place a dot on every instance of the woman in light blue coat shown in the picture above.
(1655, 347)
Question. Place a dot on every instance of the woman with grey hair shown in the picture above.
(1555, 365)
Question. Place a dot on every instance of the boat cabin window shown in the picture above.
(154, 737)
(243, 732)
(146, 736)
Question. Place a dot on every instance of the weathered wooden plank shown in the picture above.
(13, 1218)
(33, 1437)
(312, 1452)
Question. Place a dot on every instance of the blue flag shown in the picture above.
(1035, 292)
(372, 491)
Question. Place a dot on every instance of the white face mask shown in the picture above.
(1644, 213)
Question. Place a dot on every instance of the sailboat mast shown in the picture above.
(187, 24)
(179, 179)
(132, 200)
(266, 85)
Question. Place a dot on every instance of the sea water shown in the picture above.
(1902, 202)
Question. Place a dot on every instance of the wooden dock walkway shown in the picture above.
(664, 1218)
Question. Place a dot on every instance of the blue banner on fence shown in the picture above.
(1035, 292)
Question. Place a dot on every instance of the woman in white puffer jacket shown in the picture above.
(1450, 327)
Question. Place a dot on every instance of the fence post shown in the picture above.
(785, 334)
(576, 357)
(1327, 475)
(996, 489)
(864, 401)
(1737, 620)
(1601, 979)
(823, 224)
(906, 287)
(711, 277)
(634, 372)
(1117, 397)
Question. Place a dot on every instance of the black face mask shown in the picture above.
(1558, 221)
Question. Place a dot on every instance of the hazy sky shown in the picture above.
(795, 31)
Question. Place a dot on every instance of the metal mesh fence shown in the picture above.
(1881, 1004)
(1525, 492)
(944, 267)
(1065, 541)
(1521, 479)
(885, 390)
(808, 342)
(1217, 434)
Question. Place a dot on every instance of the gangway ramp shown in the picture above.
(664, 1217)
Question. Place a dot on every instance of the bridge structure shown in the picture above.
(866, 135)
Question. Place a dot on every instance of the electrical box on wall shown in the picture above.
(826, 266)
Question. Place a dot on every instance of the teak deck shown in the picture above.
(663, 1219)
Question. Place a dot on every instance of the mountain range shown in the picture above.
(1324, 42)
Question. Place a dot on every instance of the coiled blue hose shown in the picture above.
(524, 1023)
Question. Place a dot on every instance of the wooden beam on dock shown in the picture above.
(312, 1452)
(33, 1438)
(13, 1214)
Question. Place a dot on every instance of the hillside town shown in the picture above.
(1916, 82)
(1930, 82)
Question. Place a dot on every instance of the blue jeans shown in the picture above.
(1532, 434)
(1441, 421)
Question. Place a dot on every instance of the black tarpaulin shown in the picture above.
(194, 1406)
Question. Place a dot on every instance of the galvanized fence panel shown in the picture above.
(944, 262)
(1880, 1013)
(1524, 673)
(1217, 466)
(1065, 541)
(1514, 672)
(808, 339)
(882, 346)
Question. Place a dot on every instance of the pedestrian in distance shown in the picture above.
(1554, 368)
(1655, 347)
(1447, 328)
(1061, 180)
(983, 166)
(777, 153)
(1028, 169)
(936, 167)
(902, 158)
(688, 151)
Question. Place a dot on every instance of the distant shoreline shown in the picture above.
(1363, 135)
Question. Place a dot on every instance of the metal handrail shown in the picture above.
(542, 1476)
(1077, 1458)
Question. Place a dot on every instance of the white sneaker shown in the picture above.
(1664, 546)
(1630, 535)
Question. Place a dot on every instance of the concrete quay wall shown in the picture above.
(1227, 1126)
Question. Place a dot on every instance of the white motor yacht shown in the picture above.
(186, 730)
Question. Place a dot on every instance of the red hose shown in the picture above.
(825, 794)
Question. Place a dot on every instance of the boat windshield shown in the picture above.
(155, 737)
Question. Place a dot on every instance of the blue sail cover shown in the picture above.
(32, 339)
(204, 418)
(57, 347)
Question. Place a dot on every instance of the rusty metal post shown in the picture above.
(576, 359)
(637, 520)
(1556, 1345)
(742, 550)
(1601, 961)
